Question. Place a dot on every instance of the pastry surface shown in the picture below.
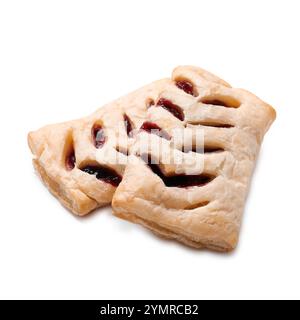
(70, 156)
(234, 123)
(198, 201)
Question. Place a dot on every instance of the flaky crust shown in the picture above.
(207, 216)
(78, 191)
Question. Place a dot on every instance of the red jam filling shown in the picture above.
(186, 86)
(172, 108)
(106, 175)
(128, 125)
(153, 128)
(179, 181)
(215, 102)
(70, 161)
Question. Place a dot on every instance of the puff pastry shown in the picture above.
(70, 156)
(198, 201)
(206, 213)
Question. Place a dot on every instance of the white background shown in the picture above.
(61, 60)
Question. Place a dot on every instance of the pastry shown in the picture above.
(199, 206)
(142, 152)
(77, 159)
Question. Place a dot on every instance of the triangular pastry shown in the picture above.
(76, 159)
(191, 194)
(172, 200)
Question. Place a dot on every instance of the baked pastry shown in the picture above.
(198, 208)
(198, 200)
(77, 159)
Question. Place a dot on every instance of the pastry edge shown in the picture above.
(222, 246)
(81, 206)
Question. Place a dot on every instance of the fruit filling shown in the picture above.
(104, 174)
(70, 160)
(172, 108)
(179, 181)
(128, 125)
(153, 128)
(186, 86)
